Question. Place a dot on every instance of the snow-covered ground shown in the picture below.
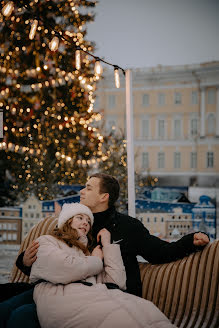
(8, 255)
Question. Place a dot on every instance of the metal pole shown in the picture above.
(130, 143)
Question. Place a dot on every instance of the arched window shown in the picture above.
(211, 124)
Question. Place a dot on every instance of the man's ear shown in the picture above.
(105, 197)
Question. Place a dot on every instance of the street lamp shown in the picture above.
(130, 143)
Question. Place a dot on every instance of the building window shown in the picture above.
(161, 160)
(148, 219)
(14, 236)
(162, 219)
(210, 159)
(145, 128)
(194, 98)
(177, 98)
(145, 160)
(161, 128)
(145, 100)
(211, 124)
(37, 215)
(177, 128)
(155, 219)
(193, 160)
(211, 97)
(112, 101)
(177, 160)
(14, 226)
(161, 99)
(194, 127)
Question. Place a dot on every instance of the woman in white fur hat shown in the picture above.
(80, 290)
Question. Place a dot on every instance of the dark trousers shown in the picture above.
(12, 289)
(19, 312)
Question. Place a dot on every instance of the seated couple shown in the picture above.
(80, 285)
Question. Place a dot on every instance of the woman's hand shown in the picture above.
(97, 251)
(104, 236)
(30, 254)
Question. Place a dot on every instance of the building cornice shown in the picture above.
(183, 142)
(205, 75)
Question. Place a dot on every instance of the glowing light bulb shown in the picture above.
(33, 29)
(98, 69)
(77, 59)
(54, 44)
(8, 8)
(116, 75)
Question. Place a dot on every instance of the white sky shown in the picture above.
(144, 33)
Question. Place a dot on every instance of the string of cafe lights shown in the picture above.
(54, 44)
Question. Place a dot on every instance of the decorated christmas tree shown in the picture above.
(46, 95)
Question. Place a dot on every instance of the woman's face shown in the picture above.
(82, 223)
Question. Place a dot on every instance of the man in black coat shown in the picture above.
(100, 194)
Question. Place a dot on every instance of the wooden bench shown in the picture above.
(186, 291)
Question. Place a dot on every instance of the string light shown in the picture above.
(77, 59)
(8, 8)
(33, 29)
(98, 69)
(54, 43)
(116, 75)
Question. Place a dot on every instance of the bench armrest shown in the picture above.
(187, 290)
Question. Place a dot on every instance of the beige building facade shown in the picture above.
(170, 226)
(176, 121)
(10, 225)
(32, 214)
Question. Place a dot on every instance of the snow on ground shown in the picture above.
(8, 255)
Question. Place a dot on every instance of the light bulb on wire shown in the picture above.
(54, 44)
(116, 75)
(98, 69)
(33, 29)
(77, 59)
(8, 8)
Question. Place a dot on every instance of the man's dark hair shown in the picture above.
(108, 184)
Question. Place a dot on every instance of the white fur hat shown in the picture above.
(72, 209)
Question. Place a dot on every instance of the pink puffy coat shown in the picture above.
(64, 304)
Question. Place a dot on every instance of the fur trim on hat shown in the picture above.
(72, 209)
